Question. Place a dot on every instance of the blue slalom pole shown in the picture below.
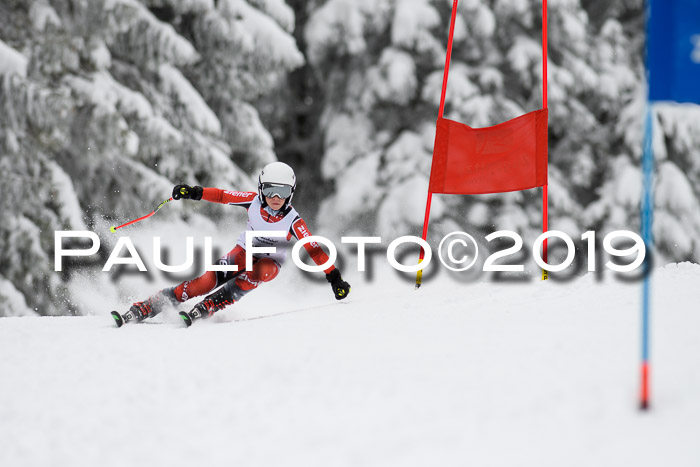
(647, 221)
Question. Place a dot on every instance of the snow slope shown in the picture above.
(544, 374)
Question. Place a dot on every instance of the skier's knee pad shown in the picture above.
(264, 270)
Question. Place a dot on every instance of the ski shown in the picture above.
(118, 318)
(186, 318)
(121, 320)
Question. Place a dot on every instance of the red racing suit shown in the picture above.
(264, 268)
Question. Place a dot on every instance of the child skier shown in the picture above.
(268, 209)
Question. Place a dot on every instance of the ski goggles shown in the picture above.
(274, 189)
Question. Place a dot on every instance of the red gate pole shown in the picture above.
(545, 106)
(419, 274)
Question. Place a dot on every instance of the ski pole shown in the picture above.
(114, 229)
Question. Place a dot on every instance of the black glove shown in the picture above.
(187, 192)
(341, 289)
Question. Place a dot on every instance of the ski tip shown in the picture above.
(186, 318)
(117, 318)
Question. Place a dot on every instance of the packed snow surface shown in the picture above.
(482, 374)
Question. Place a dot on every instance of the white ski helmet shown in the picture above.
(277, 179)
